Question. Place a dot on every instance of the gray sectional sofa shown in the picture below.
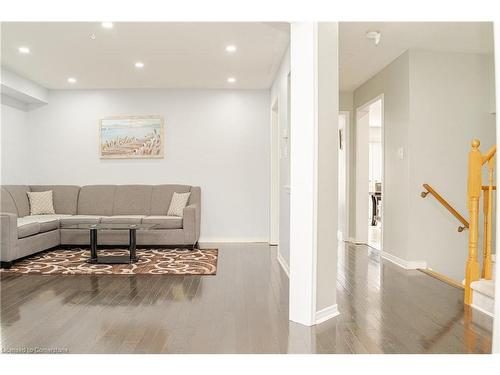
(23, 234)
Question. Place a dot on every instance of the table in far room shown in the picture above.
(376, 197)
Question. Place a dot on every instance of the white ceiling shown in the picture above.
(360, 59)
(175, 54)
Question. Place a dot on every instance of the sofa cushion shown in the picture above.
(27, 229)
(132, 200)
(41, 202)
(81, 219)
(177, 204)
(41, 218)
(65, 197)
(122, 219)
(47, 226)
(96, 200)
(47, 222)
(18, 194)
(162, 195)
(164, 222)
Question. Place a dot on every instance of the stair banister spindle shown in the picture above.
(487, 250)
(474, 187)
(486, 200)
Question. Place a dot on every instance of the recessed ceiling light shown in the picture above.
(71, 80)
(375, 36)
(24, 50)
(231, 80)
(139, 65)
(231, 48)
(107, 25)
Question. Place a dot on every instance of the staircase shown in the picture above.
(483, 293)
(479, 284)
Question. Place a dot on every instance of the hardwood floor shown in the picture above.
(243, 309)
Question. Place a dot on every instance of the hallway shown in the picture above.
(243, 309)
(392, 310)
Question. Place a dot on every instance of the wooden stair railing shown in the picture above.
(440, 199)
(474, 189)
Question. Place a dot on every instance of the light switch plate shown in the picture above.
(401, 153)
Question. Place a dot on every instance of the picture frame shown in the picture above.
(132, 137)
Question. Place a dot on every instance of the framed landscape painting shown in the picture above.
(131, 137)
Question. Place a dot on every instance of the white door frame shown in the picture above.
(346, 140)
(496, 318)
(358, 111)
(274, 212)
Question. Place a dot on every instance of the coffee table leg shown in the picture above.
(132, 246)
(93, 245)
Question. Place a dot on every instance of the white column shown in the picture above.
(314, 145)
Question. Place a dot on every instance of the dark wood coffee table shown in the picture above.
(112, 259)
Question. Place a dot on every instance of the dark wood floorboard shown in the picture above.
(243, 309)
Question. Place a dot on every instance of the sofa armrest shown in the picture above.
(8, 236)
(191, 223)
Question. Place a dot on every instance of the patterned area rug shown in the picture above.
(151, 262)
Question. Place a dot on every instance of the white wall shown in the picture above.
(450, 104)
(346, 103)
(217, 139)
(346, 100)
(327, 166)
(15, 162)
(279, 90)
(342, 178)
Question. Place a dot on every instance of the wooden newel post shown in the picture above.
(474, 188)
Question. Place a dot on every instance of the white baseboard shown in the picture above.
(482, 300)
(489, 313)
(406, 264)
(327, 313)
(283, 264)
(205, 241)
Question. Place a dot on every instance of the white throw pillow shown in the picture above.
(41, 203)
(177, 204)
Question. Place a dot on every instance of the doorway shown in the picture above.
(370, 173)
